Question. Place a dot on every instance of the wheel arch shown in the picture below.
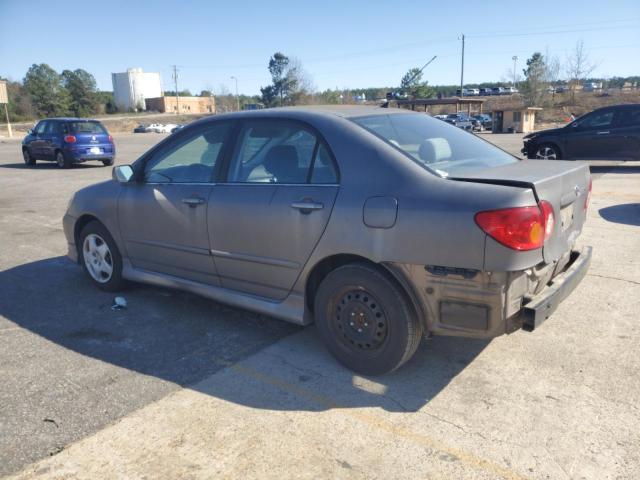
(321, 269)
(553, 143)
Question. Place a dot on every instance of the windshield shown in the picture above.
(87, 127)
(435, 145)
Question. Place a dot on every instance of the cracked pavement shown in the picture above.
(176, 386)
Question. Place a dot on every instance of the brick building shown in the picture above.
(186, 104)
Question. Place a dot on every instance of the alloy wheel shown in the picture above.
(97, 258)
(546, 153)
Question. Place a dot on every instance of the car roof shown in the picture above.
(71, 119)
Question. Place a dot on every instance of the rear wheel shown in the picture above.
(107, 163)
(62, 161)
(365, 320)
(100, 257)
(547, 151)
(28, 159)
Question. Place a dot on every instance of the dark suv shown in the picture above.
(67, 141)
(608, 133)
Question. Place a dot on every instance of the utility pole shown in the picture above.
(175, 83)
(462, 69)
(515, 59)
(237, 96)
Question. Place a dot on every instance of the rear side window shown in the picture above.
(629, 117)
(281, 152)
(86, 127)
(435, 145)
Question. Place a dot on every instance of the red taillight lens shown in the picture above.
(110, 139)
(588, 199)
(520, 228)
(70, 139)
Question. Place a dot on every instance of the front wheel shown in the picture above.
(28, 159)
(365, 320)
(107, 163)
(547, 151)
(100, 257)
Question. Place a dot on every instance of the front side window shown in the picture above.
(597, 120)
(434, 145)
(190, 159)
(39, 130)
(629, 117)
(280, 152)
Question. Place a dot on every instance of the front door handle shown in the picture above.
(193, 201)
(606, 132)
(307, 206)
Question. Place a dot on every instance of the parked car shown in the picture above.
(156, 128)
(440, 117)
(68, 141)
(469, 92)
(142, 128)
(459, 120)
(380, 225)
(485, 92)
(485, 120)
(608, 133)
(510, 90)
(177, 128)
(497, 91)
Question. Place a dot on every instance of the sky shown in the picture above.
(340, 44)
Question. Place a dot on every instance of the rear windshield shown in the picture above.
(86, 127)
(434, 144)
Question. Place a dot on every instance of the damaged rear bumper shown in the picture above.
(537, 309)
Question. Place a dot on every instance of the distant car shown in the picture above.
(177, 128)
(459, 120)
(283, 212)
(485, 92)
(142, 128)
(440, 117)
(156, 128)
(510, 90)
(609, 133)
(497, 91)
(68, 141)
(485, 120)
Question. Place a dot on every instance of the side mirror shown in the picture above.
(30, 131)
(122, 173)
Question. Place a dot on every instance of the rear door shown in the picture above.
(266, 219)
(163, 216)
(627, 132)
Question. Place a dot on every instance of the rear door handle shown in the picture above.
(606, 132)
(193, 201)
(307, 207)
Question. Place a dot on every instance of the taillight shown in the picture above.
(110, 139)
(70, 139)
(588, 199)
(519, 228)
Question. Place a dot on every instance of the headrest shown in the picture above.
(281, 161)
(434, 150)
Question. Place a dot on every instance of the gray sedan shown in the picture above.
(380, 225)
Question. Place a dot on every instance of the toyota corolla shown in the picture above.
(379, 225)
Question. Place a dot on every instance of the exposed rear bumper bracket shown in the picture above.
(540, 307)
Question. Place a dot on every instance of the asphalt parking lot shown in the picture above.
(177, 386)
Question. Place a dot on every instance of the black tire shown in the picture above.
(62, 161)
(27, 157)
(115, 282)
(546, 151)
(108, 163)
(366, 320)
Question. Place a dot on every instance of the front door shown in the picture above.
(592, 137)
(267, 218)
(36, 146)
(163, 216)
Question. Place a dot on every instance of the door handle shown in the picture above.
(606, 132)
(307, 206)
(193, 201)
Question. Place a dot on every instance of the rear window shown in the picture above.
(86, 127)
(436, 146)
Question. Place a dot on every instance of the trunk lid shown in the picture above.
(565, 185)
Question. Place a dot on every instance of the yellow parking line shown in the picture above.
(380, 424)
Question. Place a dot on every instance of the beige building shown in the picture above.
(515, 120)
(183, 104)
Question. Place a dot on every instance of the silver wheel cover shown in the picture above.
(97, 258)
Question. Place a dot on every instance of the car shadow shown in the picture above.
(600, 169)
(185, 339)
(626, 213)
(49, 166)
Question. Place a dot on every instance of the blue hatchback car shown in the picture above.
(67, 141)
